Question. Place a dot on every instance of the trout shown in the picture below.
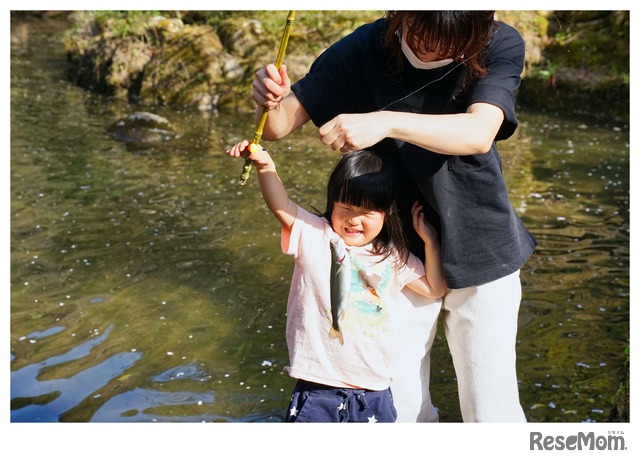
(340, 283)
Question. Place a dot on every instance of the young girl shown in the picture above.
(341, 356)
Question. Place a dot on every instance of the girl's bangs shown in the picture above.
(371, 191)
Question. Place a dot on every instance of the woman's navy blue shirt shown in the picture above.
(482, 237)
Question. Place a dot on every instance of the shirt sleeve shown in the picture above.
(313, 89)
(306, 227)
(414, 269)
(340, 79)
(504, 62)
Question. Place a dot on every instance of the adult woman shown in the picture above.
(437, 88)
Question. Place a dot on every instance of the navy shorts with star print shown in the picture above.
(312, 402)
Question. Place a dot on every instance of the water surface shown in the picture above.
(147, 285)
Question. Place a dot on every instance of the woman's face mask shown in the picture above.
(417, 62)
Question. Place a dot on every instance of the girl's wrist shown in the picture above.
(430, 246)
(265, 167)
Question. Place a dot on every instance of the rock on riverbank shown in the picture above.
(576, 61)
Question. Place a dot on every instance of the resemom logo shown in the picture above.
(613, 441)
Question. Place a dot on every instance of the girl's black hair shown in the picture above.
(362, 178)
(461, 35)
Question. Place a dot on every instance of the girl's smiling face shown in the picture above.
(355, 225)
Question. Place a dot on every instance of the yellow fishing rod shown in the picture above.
(257, 135)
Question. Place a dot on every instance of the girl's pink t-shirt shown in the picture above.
(368, 326)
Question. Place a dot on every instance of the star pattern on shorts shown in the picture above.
(293, 412)
(372, 419)
(342, 407)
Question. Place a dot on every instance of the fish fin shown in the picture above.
(366, 282)
(362, 275)
(336, 333)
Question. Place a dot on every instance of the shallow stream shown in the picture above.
(147, 285)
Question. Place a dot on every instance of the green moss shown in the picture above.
(573, 60)
(620, 409)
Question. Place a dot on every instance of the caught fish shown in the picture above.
(340, 283)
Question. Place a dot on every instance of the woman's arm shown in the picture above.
(272, 90)
(469, 133)
(273, 191)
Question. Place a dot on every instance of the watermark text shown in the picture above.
(581, 441)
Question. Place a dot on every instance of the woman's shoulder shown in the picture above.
(371, 29)
(506, 43)
(365, 37)
(506, 34)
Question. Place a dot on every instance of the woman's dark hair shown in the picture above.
(362, 178)
(461, 35)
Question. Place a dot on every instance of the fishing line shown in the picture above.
(426, 85)
(291, 147)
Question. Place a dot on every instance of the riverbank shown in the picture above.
(577, 62)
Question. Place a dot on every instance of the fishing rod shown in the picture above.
(257, 135)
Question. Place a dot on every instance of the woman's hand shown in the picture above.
(348, 132)
(271, 85)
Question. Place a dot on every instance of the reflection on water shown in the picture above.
(146, 285)
(43, 400)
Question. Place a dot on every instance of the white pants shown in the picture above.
(480, 325)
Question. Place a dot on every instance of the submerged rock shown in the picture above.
(142, 129)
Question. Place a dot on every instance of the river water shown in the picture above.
(148, 286)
